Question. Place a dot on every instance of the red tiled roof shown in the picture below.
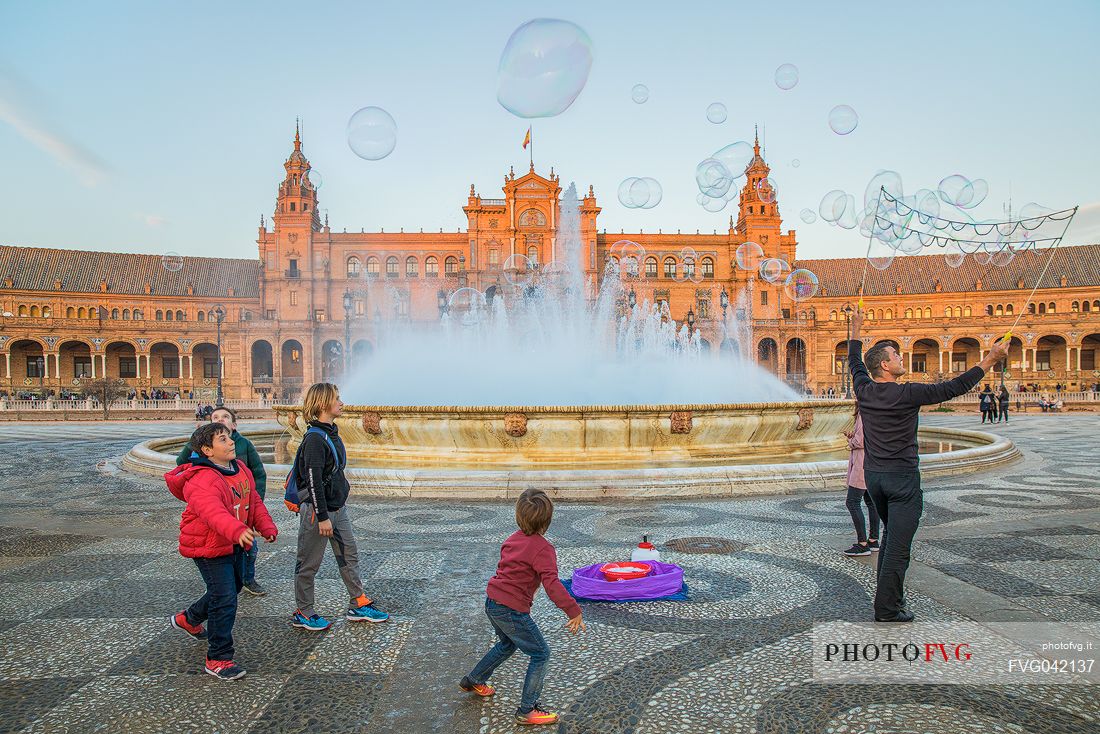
(1079, 264)
(81, 271)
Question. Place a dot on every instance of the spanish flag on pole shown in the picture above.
(527, 139)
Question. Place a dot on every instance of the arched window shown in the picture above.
(355, 266)
(202, 316)
(1042, 308)
(81, 313)
(1052, 307)
(450, 265)
(1085, 306)
(168, 315)
(46, 312)
(1008, 309)
(889, 313)
(832, 316)
(35, 313)
(125, 314)
(431, 267)
(1031, 308)
(180, 316)
(1075, 307)
(114, 313)
(160, 315)
(967, 311)
(532, 254)
(670, 267)
(391, 267)
(651, 267)
(908, 313)
(870, 314)
(928, 312)
(947, 311)
(412, 267)
(708, 267)
(372, 267)
(139, 315)
(93, 313)
(1000, 310)
(1096, 305)
(70, 313)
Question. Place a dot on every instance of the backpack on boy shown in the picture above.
(290, 487)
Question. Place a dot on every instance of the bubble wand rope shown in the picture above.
(1069, 221)
(870, 242)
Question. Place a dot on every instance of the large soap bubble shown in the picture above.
(716, 113)
(468, 306)
(735, 157)
(801, 285)
(766, 190)
(172, 262)
(749, 255)
(890, 181)
(953, 255)
(639, 93)
(640, 193)
(843, 119)
(314, 177)
(786, 76)
(543, 68)
(773, 269)
(808, 216)
(713, 178)
(833, 205)
(372, 133)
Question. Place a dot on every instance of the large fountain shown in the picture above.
(586, 390)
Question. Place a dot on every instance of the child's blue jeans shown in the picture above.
(515, 630)
(218, 606)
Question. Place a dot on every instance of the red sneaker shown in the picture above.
(536, 717)
(224, 669)
(481, 689)
(195, 631)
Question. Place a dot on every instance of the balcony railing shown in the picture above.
(492, 202)
(262, 380)
(295, 274)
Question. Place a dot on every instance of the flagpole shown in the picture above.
(531, 153)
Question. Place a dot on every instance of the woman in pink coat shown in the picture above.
(866, 530)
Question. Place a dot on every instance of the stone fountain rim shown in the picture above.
(627, 408)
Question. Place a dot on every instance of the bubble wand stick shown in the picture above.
(870, 241)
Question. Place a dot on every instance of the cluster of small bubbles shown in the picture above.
(958, 190)
(766, 190)
(630, 254)
(843, 119)
(372, 133)
(717, 176)
(543, 67)
(172, 262)
(314, 177)
(801, 285)
(518, 269)
(773, 269)
(640, 193)
(749, 255)
(639, 93)
(796, 163)
(808, 216)
(786, 76)
(716, 113)
(467, 306)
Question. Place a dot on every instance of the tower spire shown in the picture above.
(756, 139)
(297, 135)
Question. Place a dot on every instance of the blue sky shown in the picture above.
(155, 127)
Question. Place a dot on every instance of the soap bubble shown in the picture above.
(314, 177)
(518, 269)
(640, 193)
(468, 306)
(626, 249)
(796, 163)
(689, 269)
(833, 205)
(982, 257)
(808, 216)
(1031, 210)
(543, 67)
(786, 76)
(688, 252)
(955, 190)
(372, 133)
(735, 157)
(880, 255)
(748, 255)
(712, 204)
(1003, 256)
(639, 93)
(883, 179)
(801, 285)
(713, 178)
(974, 193)
(848, 219)
(843, 119)
(172, 262)
(766, 190)
(773, 269)
(954, 256)
(716, 113)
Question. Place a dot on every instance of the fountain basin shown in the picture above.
(445, 453)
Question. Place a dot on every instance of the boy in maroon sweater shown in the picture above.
(526, 560)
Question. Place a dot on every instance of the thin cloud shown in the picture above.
(23, 109)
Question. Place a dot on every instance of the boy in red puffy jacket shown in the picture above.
(223, 517)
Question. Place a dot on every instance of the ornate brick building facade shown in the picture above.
(315, 299)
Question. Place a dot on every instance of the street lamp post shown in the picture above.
(632, 298)
(848, 328)
(724, 299)
(441, 302)
(347, 331)
(690, 322)
(219, 314)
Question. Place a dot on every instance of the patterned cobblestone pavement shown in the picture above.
(90, 574)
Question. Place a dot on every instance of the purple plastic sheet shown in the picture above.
(664, 580)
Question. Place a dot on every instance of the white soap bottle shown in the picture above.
(645, 551)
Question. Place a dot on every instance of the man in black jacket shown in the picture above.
(890, 412)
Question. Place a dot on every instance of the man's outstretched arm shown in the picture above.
(939, 392)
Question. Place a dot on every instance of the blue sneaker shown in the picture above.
(364, 611)
(313, 623)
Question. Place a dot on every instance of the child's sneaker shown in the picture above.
(224, 669)
(872, 545)
(858, 550)
(362, 610)
(195, 631)
(481, 689)
(536, 717)
(313, 623)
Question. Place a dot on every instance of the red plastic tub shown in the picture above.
(625, 571)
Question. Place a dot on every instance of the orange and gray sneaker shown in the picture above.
(481, 689)
(536, 717)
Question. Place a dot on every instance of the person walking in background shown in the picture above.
(891, 412)
(985, 403)
(1002, 401)
(866, 530)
